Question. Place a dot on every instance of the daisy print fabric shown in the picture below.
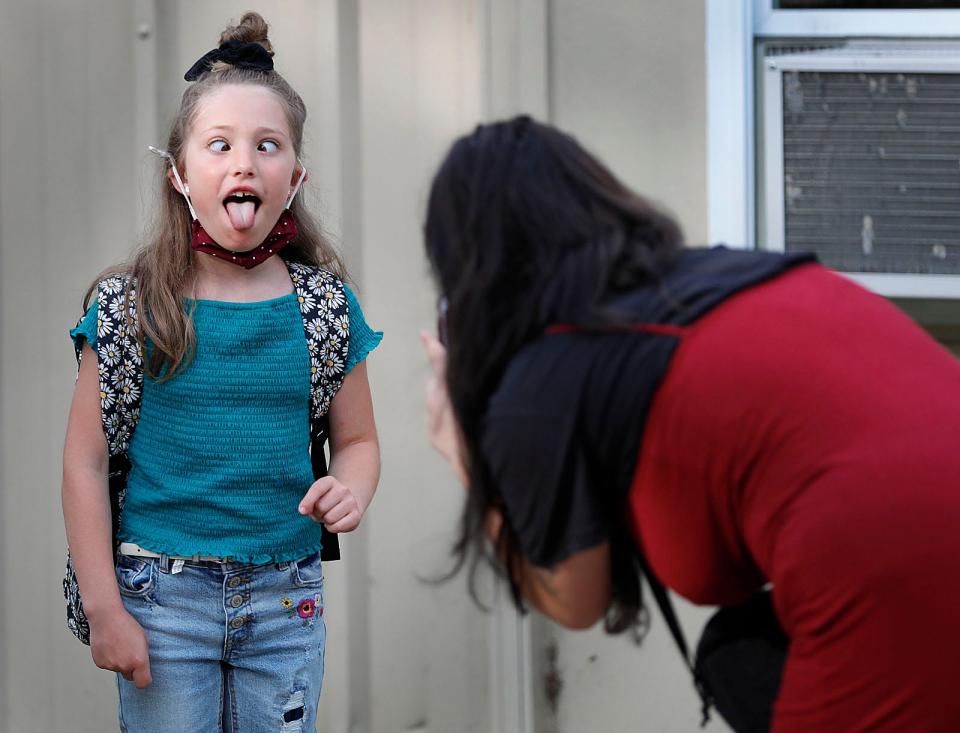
(325, 311)
(120, 360)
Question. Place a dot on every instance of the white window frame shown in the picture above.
(769, 22)
(730, 160)
(731, 103)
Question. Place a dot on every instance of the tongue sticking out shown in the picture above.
(241, 214)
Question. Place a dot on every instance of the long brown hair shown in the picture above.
(524, 229)
(164, 265)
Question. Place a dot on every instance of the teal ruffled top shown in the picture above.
(220, 456)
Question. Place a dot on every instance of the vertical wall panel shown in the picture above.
(629, 78)
(420, 86)
(66, 183)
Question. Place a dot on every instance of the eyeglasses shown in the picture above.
(442, 307)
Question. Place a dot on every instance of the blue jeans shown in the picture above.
(233, 647)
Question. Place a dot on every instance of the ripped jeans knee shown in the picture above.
(293, 713)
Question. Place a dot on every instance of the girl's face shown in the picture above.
(239, 164)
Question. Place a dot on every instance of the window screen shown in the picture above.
(872, 169)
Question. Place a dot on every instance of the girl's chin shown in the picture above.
(239, 247)
(238, 240)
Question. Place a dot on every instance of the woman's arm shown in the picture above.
(340, 499)
(575, 592)
(116, 640)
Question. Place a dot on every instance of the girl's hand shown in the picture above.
(119, 643)
(441, 424)
(330, 502)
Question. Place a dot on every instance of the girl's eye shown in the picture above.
(219, 146)
(268, 146)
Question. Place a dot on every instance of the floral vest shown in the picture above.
(121, 388)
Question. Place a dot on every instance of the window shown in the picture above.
(834, 129)
(861, 155)
(864, 4)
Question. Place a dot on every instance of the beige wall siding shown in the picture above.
(67, 200)
(420, 86)
(628, 78)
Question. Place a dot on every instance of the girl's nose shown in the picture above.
(241, 164)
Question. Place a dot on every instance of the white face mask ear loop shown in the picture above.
(303, 174)
(176, 174)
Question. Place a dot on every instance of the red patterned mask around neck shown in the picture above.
(279, 237)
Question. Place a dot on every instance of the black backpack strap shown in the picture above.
(319, 427)
(676, 631)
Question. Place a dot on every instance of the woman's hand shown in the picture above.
(330, 502)
(119, 643)
(441, 424)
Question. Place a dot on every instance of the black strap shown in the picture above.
(676, 631)
(319, 428)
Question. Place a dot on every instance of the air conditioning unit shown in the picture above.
(859, 161)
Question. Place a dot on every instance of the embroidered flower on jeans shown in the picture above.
(306, 608)
(303, 611)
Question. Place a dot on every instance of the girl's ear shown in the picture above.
(176, 186)
(296, 176)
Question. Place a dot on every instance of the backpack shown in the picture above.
(324, 310)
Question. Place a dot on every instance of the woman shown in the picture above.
(736, 418)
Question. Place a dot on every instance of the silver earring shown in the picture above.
(186, 188)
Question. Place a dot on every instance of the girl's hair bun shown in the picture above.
(252, 28)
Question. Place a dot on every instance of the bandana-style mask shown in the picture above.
(283, 232)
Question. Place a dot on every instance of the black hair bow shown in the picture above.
(237, 53)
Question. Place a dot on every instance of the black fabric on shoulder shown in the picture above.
(563, 429)
(561, 434)
(701, 279)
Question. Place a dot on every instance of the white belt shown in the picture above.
(130, 548)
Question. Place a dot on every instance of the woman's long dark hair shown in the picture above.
(526, 229)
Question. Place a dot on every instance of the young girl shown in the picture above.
(232, 346)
